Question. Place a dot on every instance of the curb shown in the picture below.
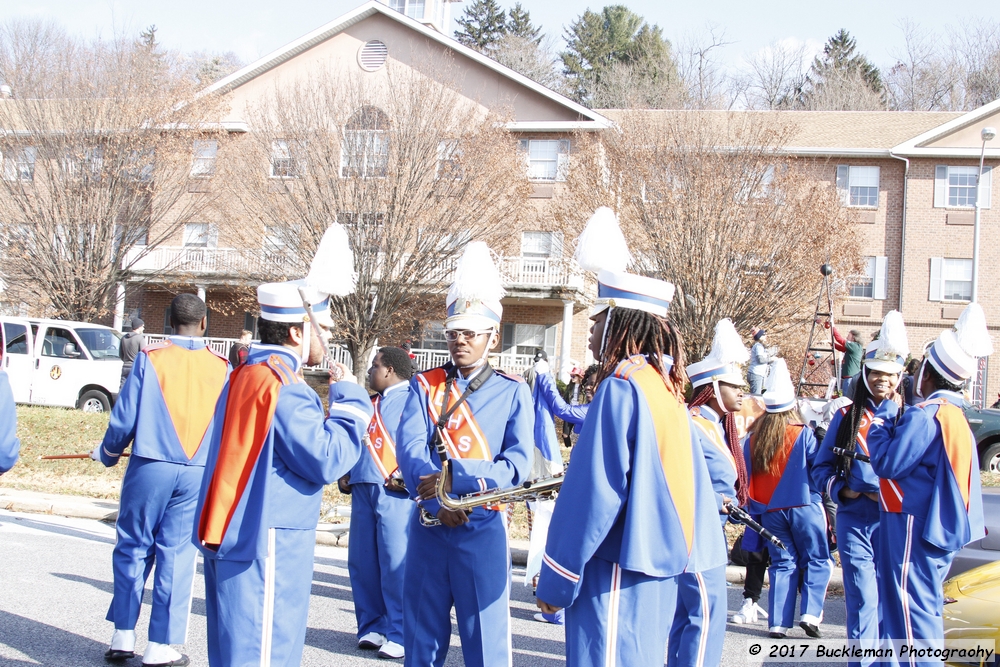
(327, 534)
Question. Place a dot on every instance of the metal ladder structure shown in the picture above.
(817, 343)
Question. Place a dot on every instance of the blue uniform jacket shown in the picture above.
(546, 387)
(9, 443)
(545, 429)
(616, 504)
(155, 411)
(721, 468)
(502, 408)
(391, 407)
(302, 451)
(912, 453)
(860, 478)
(795, 488)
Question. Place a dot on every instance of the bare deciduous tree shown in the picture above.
(774, 76)
(923, 78)
(95, 165)
(707, 203)
(706, 83)
(977, 47)
(409, 166)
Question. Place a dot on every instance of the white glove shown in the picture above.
(341, 373)
(541, 367)
(96, 454)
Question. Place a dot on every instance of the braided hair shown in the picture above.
(703, 395)
(629, 332)
(847, 433)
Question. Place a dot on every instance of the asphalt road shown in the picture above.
(55, 587)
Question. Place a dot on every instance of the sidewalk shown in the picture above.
(328, 534)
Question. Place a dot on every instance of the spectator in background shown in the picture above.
(760, 357)
(853, 349)
(238, 352)
(131, 344)
(907, 383)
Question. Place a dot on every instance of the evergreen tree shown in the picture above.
(482, 25)
(519, 24)
(840, 58)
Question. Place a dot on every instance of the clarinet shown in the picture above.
(856, 455)
(747, 520)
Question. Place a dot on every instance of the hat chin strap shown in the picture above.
(306, 339)
(604, 334)
(718, 396)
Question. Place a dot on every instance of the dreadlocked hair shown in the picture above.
(629, 332)
(703, 395)
(767, 437)
(847, 432)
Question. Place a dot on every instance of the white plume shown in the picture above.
(779, 382)
(727, 346)
(332, 268)
(971, 332)
(476, 276)
(892, 340)
(601, 246)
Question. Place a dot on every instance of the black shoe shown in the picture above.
(811, 630)
(182, 661)
(114, 655)
(776, 635)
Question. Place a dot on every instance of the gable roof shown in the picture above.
(593, 120)
(919, 145)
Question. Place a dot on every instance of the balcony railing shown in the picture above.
(508, 362)
(515, 271)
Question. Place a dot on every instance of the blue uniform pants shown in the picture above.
(257, 610)
(911, 574)
(858, 542)
(155, 520)
(620, 617)
(699, 628)
(803, 531)
(467, 567)
(376, 553)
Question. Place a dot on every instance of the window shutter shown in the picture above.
(507, 338)
(550, 341)
(984, 186)
(937, 263)
(843, 183)
(881, 286)
(940, 186)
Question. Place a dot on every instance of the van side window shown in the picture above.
(16, 336)
(60, 343)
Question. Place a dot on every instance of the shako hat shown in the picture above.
(889, 351)
(723, 361)
(474, 297)
(955, 354)
(779, 392)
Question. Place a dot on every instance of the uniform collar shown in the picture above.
(188, 342)
(398, 385)
(952, 397)
(260, 352)
(709, 414)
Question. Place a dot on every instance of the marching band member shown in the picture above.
(380, 512)
(10, 445)
(165, 411)
(853, 485)
(699, 628)
(484, 419)
(272, 450)
(779, 453)
(929, 489)
(637, 508)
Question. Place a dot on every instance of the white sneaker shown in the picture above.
(760, 611)
(747, 613)
(371, 641)
(163, 655)
(391, 650)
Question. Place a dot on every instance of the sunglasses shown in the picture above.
(452, 335)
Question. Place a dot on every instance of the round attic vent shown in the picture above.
(372, 55)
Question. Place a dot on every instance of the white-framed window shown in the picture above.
(364, 152)
(448, 160)
(19, 164)
(548, 159)
(541, 244)
(951, 279)
(200, 235)
(84, 163)
(432, 336)
(412, 8)
(287, 159)
(955, 187)
(858, 186)
(874, 282)
(203, 153)
(527, 338)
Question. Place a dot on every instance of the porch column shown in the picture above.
(567, 337)
(119, 307)
(201, 292)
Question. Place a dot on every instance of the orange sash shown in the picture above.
(673, 438)
(763, 483)
(253, 398)
(958, 445)
(462, 435)
(380, 443)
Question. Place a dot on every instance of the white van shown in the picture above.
(67, 364)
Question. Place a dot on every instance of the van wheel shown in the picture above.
(94, 401)
(991, 459)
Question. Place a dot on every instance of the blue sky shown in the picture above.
(253, 28)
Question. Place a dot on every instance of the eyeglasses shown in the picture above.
(468, 334)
